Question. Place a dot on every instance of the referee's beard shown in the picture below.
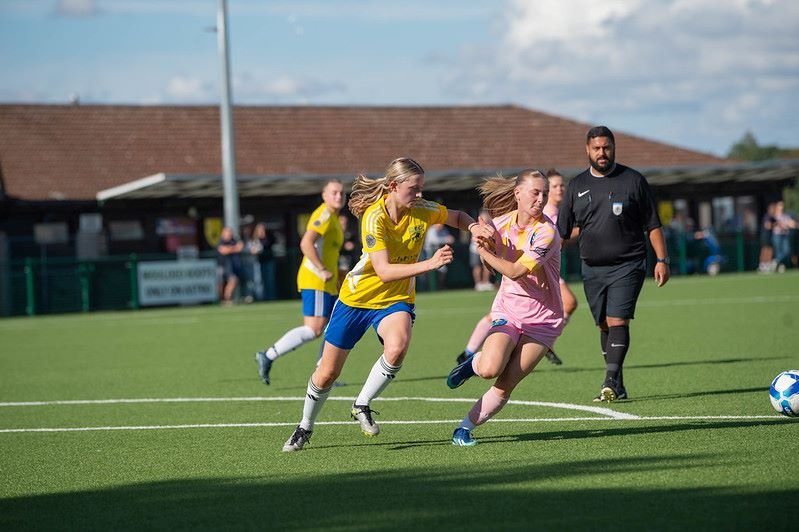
(603, 168)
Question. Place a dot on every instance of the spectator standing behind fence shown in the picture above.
(229, 250)
(614, 208)
(482, 276)
(766, 246)
(350, 250)
(261, 281)
(781, 236)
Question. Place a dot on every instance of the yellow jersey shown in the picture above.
(325, 223)
(362, 288)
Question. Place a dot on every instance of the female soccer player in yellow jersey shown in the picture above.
(380, 290)
(317, 278)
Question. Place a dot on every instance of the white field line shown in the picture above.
(595, 409)
(609, 415)
(405, 422)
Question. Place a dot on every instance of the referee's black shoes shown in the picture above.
(610, 391)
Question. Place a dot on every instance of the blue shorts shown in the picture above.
(317, 303)
(348, 324)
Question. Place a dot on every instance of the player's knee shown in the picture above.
(324, 378)
(394, 355)
(316, 325)
(616, 322)
(487, 370)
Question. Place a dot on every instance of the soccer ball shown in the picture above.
(784, 393)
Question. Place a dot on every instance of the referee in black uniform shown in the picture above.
(612, 208)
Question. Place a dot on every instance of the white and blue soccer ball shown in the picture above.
(784, 393)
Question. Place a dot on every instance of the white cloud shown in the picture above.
(711, 61)
(187, 89)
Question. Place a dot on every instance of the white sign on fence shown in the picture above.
(177, 282)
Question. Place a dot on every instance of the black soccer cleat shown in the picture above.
(552, 357)
(297, 440)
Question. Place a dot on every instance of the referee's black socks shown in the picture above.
(617, 344)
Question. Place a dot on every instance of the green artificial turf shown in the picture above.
(167, 426)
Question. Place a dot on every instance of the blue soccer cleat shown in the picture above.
(460, 373)
(264, 365)
(463, 438)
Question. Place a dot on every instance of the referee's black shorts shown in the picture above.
(613, 290)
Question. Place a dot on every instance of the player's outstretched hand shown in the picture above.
(443, 256)
(484, 236)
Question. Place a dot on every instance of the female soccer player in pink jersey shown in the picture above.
(483, 325)
(527, 314)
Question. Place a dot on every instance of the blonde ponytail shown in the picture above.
(498, 192)
(366, 191)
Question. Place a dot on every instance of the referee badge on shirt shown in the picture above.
(617, 207)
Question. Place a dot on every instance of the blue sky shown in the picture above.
(694, 73)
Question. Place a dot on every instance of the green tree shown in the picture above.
(790, 196)
(747, 149)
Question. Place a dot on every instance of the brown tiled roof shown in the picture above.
(72, 152)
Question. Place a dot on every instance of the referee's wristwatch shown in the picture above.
(665, 260)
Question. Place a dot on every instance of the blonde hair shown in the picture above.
(366, 191)
(497, 192)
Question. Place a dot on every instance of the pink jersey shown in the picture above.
(551, 212)
(532, 303)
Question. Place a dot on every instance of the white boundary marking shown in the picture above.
(609, 415)
(568, 406)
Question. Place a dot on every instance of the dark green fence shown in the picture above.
(735, 252)
(58, 285)
(35, 286)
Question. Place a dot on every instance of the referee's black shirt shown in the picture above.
(613, 212)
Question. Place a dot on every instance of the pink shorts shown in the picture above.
(544, 334)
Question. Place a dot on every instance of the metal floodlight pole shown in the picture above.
(231, 195)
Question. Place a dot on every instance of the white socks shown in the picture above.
(381, 375)
(291, 341)
(315, 398)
